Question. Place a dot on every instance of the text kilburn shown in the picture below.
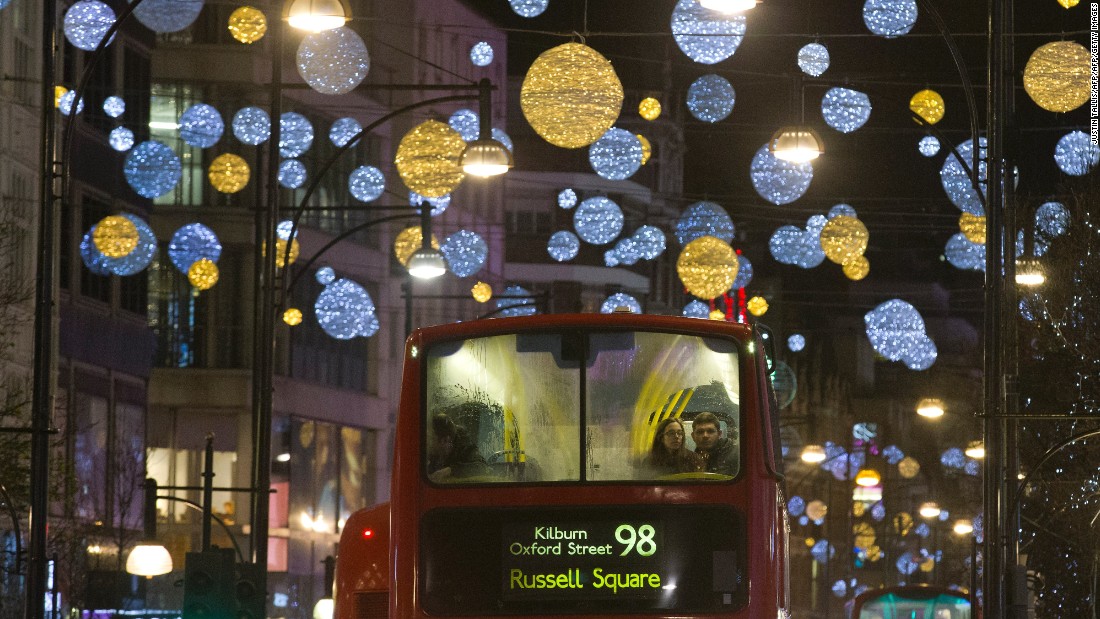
(556, 533)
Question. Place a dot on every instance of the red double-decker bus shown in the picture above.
(521, 485)
(914, 602)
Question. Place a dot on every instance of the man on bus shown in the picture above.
(451, 453)
(719, 452)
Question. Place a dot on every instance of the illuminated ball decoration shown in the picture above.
(87, 22)
(466, 123)
(408, 241)
(617, 155)
(650, 241)
(627, 251)
(890, 18)
(706, 36)
(345, 310)
(465, 252)
(845, 109)
(282, 258)
(292, 173)
(757, 306)
(841, 209)
(817, 509)
(744, 273)
(90, 256)
(1075, 153)
(813, 59)
(251, 125)
(295, 134)
(152, 169)
(598, 220)
(571, 95)
(928, 146)
(292, 316)
(529, 8)
(203, 274)
(428, 159)
(796, 342)
(567, 198)
(516, 301)
(844, 239)
(366, 183)
(1057, 76)
(114, 106)
(965, 254)
(896, 331)
(563, 246)
(973, 227)
(481, 292)
(908, 467)
(228, 173)
(130, 264)
(168, 15)
(481, 54)
(500, 136)
(284, 228)
(1052, 219)
(955, 177)
(333, 62)
(115, 236)
(696, 309)
(779, 181)
(928, 105)
(58, 92)
(649, 108)
(201, 125)
(439, 204)
(247, 24)
(620, 300)
(702, 219)
(1068, 4)
(707, 267)
(647, 148)
(710, 98)
(325, 276)
(857, 269)
(192, 242)
(343, 130)
(121, 139)
(65, 104)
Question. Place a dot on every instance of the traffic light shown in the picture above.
(249, 592)
(208, 585)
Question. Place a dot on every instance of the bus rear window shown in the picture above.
(582, 406)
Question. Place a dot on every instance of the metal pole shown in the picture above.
(207, 492)
(406, 289)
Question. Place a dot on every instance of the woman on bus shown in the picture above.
(667, 454)
(451, 453)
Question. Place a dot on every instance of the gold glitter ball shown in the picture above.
(647, 148)
(571, 95)
(816, 509)
(115, 236)
(428, 159)
(228, 173)
(973, 227)
(903, 523)
(707, 266)
(863, 534)
(858, 508)
(757, 306)
(908, 467)
(844, 239)
(58, 92)
(717, 315)
(293, 317)
(928, 104)
(482, 292)
(1057, 76)
(857, 269)
(649, 108)
(247, 24)
(810, 542)
(1068, 4)
(280, 252)
(407, 242)
(203, 274)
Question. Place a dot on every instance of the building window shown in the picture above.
(173, 312)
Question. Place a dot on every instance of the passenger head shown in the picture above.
(669, 436)
(706, 430)
(444, 432)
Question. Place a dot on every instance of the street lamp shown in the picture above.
(1029, 272)
(813, 454)
(796, 143)
(149, 558)
(931, 408)
(929, 509)
(318, 15)
(728, 6)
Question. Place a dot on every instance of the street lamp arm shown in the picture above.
(971, 168)
(1015, 505)
(194, 505)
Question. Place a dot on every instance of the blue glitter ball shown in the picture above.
(822, 551)
(796, 342)
(893, 454)
(704, 219)
(343, 130)
(627, 251)
(529, 8)
(137, 260)
(344, 310)
(567, 198)
(890, 18)
(121, 139)
(785, 243)
(87, 22)
(1075, 153)
(325, 275)
(152, 169)
(65, 105)
(955, 177)
(439, 204)
(964, 254)
(516, 301)
(841, 209)
(706, 36)
(744, 273)
(283, 229)
(803, 520)
(192, 242)
(1052, 219)
(710, 98)
(896, 329)
(650, 241)
(813, 59)
(907, 564)
(598, 220)
(333, 62)
(696, 309)
(618, 300)
(928, 146)
(563, 246)
(796, 506)
(168, 15)
(292, 173)
(465, 252)
(296, 134)
(466, 123)
(922, 530)
(610, 258)
(481, 54)
(251, 125)
(973, 468)
(953, 458)
(840, 588)
(95, 261)
(201, 125)
(114, 106)
(617, 155)
(845, 109)
(779, 181)
(922, 355)
(366, 183)
(878, 512)
(1040, 243)
(500, 136)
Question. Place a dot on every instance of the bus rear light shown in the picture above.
(368, 533)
